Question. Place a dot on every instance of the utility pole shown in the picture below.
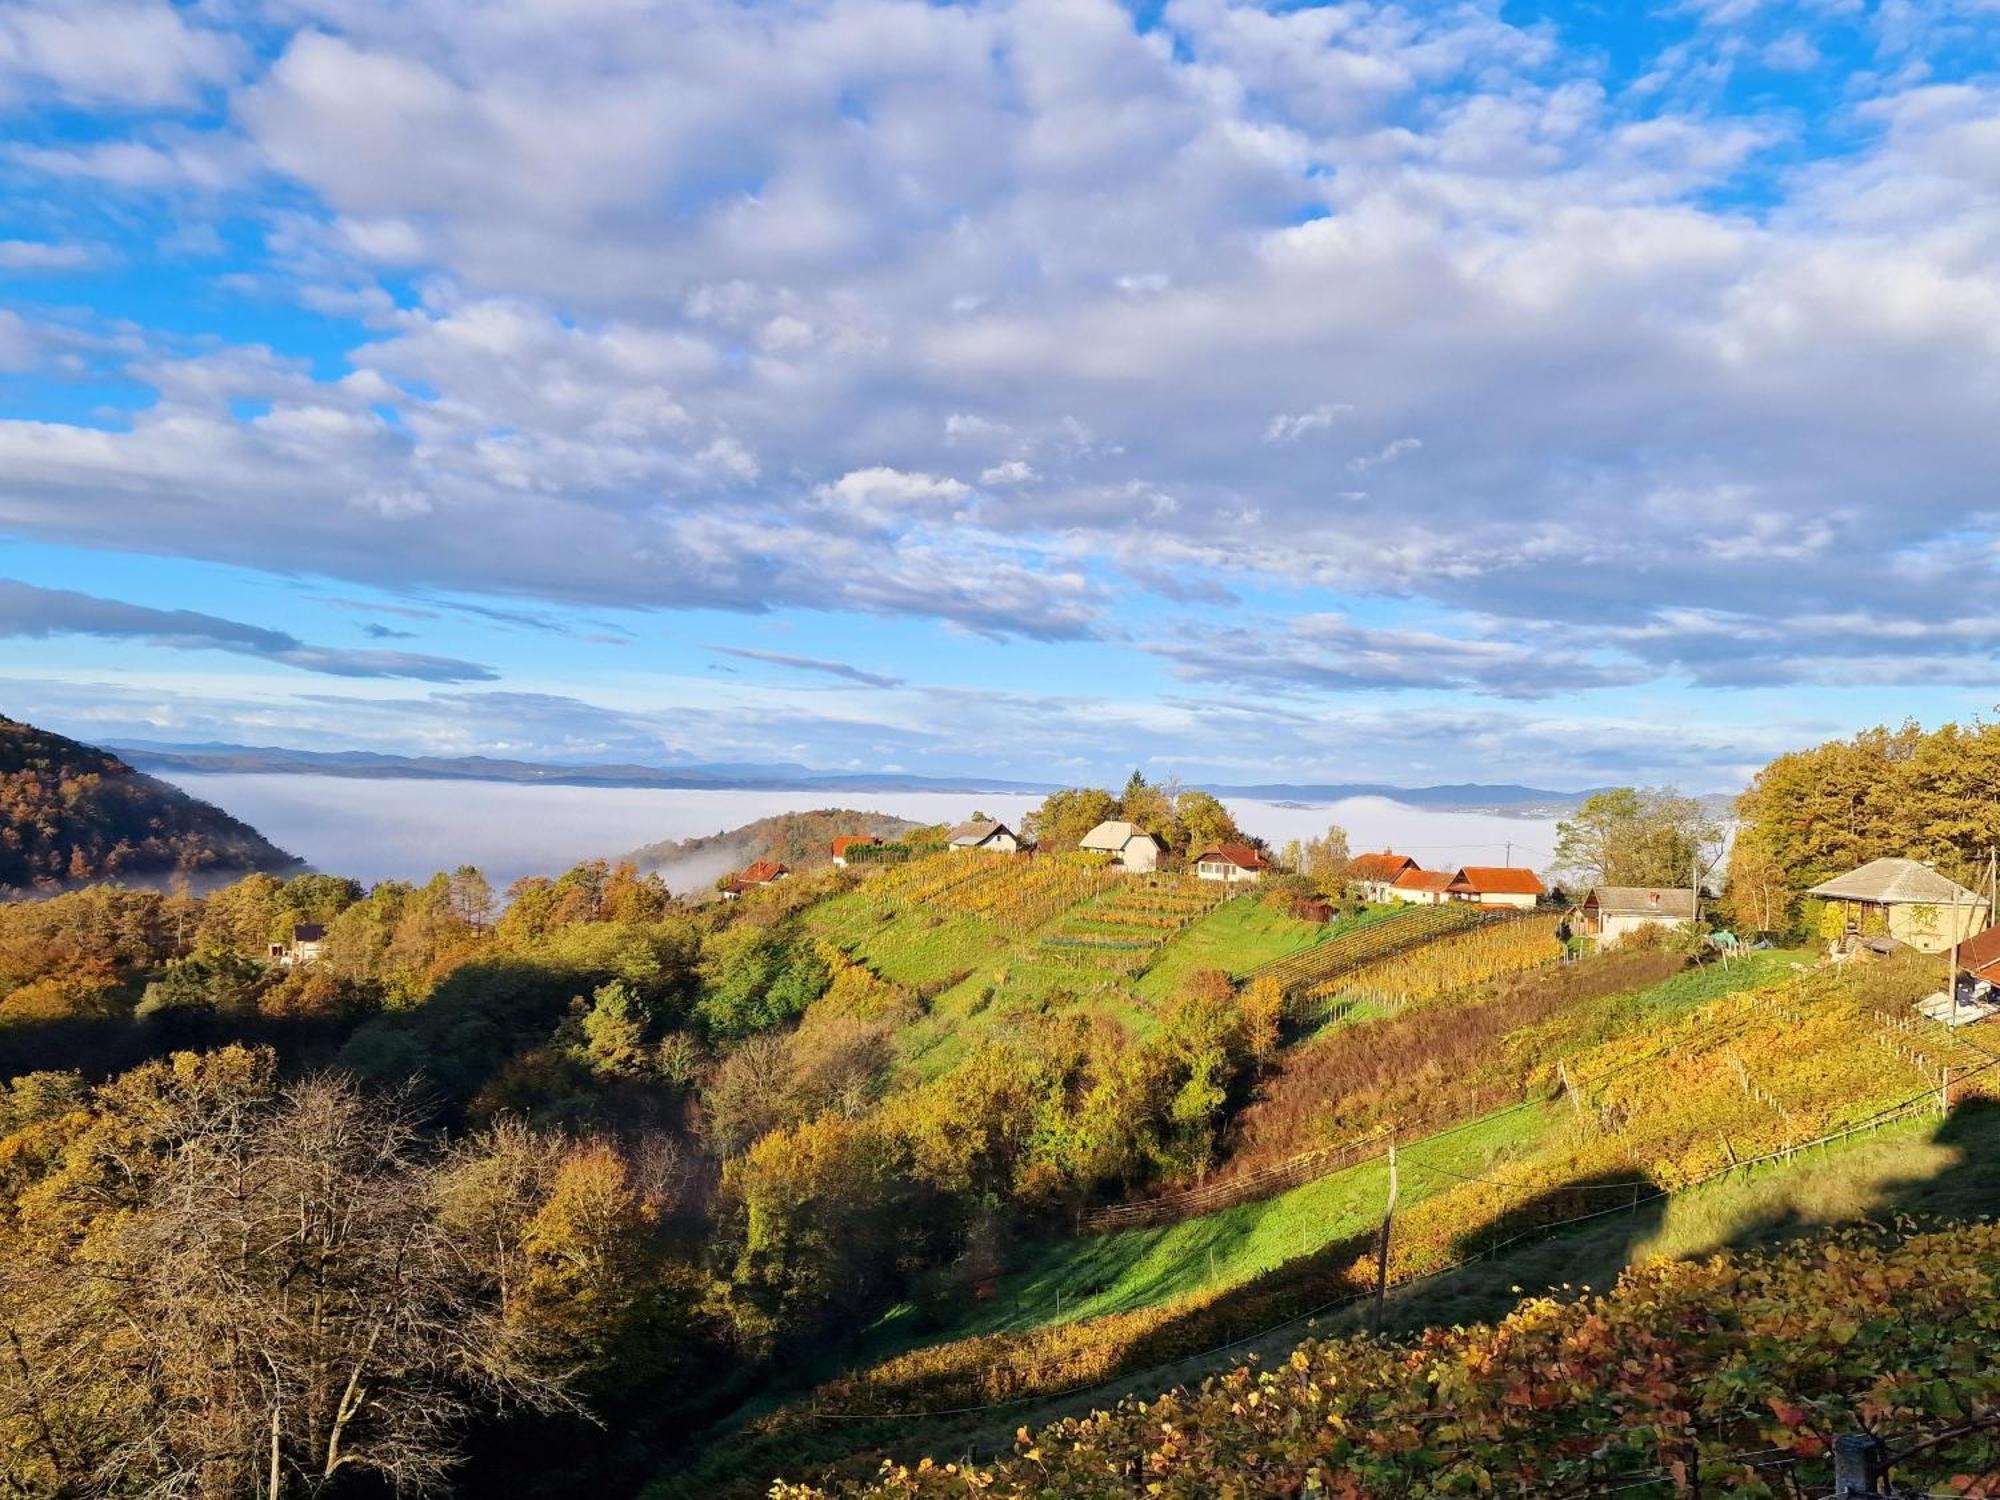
(1382, 1256)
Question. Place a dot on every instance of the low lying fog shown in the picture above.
(405, 830)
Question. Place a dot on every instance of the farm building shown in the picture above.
(1496, 885)
(1610, 912)
(987, 835)
(1234, 863)
(1979, 956)
(849, 841)
(1129, 845)
(308, 940)
(763, 872)
(1377, 874)
(1421, 887)
(1903, 899)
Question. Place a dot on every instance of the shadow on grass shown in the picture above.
(1964, 1180)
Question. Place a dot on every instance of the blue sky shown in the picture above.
(1535, 391)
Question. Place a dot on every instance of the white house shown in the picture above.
(1422, 887)
(1235, 864)
(1907, 900)
(1496, 885)
(1376, 874)
(763, 872)
(848, 841)
(987, 835)
(308, 941)
(1129, 845)
(1610, 912)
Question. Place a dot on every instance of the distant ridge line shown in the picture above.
(226, 759)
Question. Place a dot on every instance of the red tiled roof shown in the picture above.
(1423, 880)
(763, 870)
(1497, 880)
(1980, 954)
(1383, 866)
(1240, 855)
(848, 840)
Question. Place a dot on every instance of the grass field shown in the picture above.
(1237, 937)
(983, 976)
(1112, 1273)
(1234, 1274)
(1924, 1168)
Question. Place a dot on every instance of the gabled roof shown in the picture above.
(1638, 900)
(763, 870)
(308, 932)
(1112, 835)
(1387, 865)
(1496, 880)
(1896, 882)
(847, 841)
(1414, 879)
(978, 831)
(1240, 855)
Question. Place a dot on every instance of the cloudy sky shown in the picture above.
(1554, 391)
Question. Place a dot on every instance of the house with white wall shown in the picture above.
(1234, 864)
(1129, 845)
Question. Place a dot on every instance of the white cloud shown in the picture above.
(881, 496)
(1289, 427)
(117, 54)
(43, 255)
(642, 336)
(1013, 471)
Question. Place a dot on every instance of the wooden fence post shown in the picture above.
(1382, 1259)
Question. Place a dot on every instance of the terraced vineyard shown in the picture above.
(1441, 965)
(1313, 969)
(1123, 930)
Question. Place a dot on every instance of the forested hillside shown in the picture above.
(71, 813)
(803, 840)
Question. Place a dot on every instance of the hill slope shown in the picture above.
(802, 840)
(1740, 1369)
(69, 812)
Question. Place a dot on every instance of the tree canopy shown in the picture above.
(1814, 814)
(1638, 836)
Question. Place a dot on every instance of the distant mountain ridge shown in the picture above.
(71, 812)
(782, 776)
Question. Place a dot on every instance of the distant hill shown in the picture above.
(802, 840)
(1523, 801)
(70, 812)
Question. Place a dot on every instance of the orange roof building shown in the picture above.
(1377, 874)
(1233, 863)
(848, 841)
(1497, 885)
(1421, 887)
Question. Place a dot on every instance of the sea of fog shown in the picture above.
(404, 830)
